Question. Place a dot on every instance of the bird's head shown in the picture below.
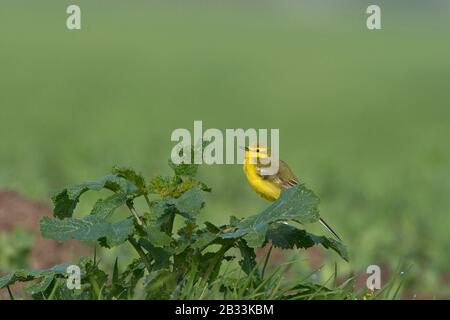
(255, 153)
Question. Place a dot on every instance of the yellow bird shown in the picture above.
(269, 186)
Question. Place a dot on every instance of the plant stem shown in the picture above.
(148, 201)
(55, 287)
(335, 275)
(11, 296)
(134, 212)
(141, 253)
(95, 287)
(266, 261)
(169, 225)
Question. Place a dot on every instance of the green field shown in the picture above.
(364, 116)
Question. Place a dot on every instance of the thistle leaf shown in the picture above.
(248, 262)
(295, 204)
(66, 201)
(90, 228)
(28, 275)
(288, 237)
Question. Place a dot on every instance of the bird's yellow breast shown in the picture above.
(265, 188)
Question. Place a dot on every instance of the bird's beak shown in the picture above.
(244, 148)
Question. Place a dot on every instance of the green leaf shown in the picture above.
(115, 277)
(174, 186)
(188, 168)
(160, 256)
(187, 205)
(210, 264)
(287, 237)
(203, 239)
(248, 262)
(64, 293)
(28, 275)
(184, 169)
(188, 230)
(132, 274)
(123, 284)
(90, 228)
(40, 287)
(157, 237)
(66, 201)
(295, 204)
(91, 270)
(255, 238)
(93, 227)
(131, 175)
(160, 284)
(159, 208)
(104, 208)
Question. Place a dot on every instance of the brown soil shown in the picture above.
(15, 210)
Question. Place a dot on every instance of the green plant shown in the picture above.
(15, 247)
(173, 264)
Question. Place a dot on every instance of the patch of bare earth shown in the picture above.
(18, 211)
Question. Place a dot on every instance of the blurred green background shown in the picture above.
(364, 116)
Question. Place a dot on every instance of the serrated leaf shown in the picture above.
(256, 237)
(184, 169)
(66, 201)
(104, 208)
(160, 256)
(160, 284)
(131, 175)
(174, 186)
(298, 204)
(287, 237)
(90, 228)
(160, 208)
(210, 264)
(28, 275)
(91, 271)
(157, 237)
(187, 205)
(248, 262)
(295, 204)
(187, 231)
(188, 168)
(190, 202)
(123, 284)
(132, 274)
(211, 227)
(203, 239)
(40, 287)
(64, 293)
(234, 221)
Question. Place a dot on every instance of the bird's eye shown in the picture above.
(257, 150)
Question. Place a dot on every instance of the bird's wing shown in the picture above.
(284, 177)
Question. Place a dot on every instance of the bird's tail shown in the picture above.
(329, 228)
